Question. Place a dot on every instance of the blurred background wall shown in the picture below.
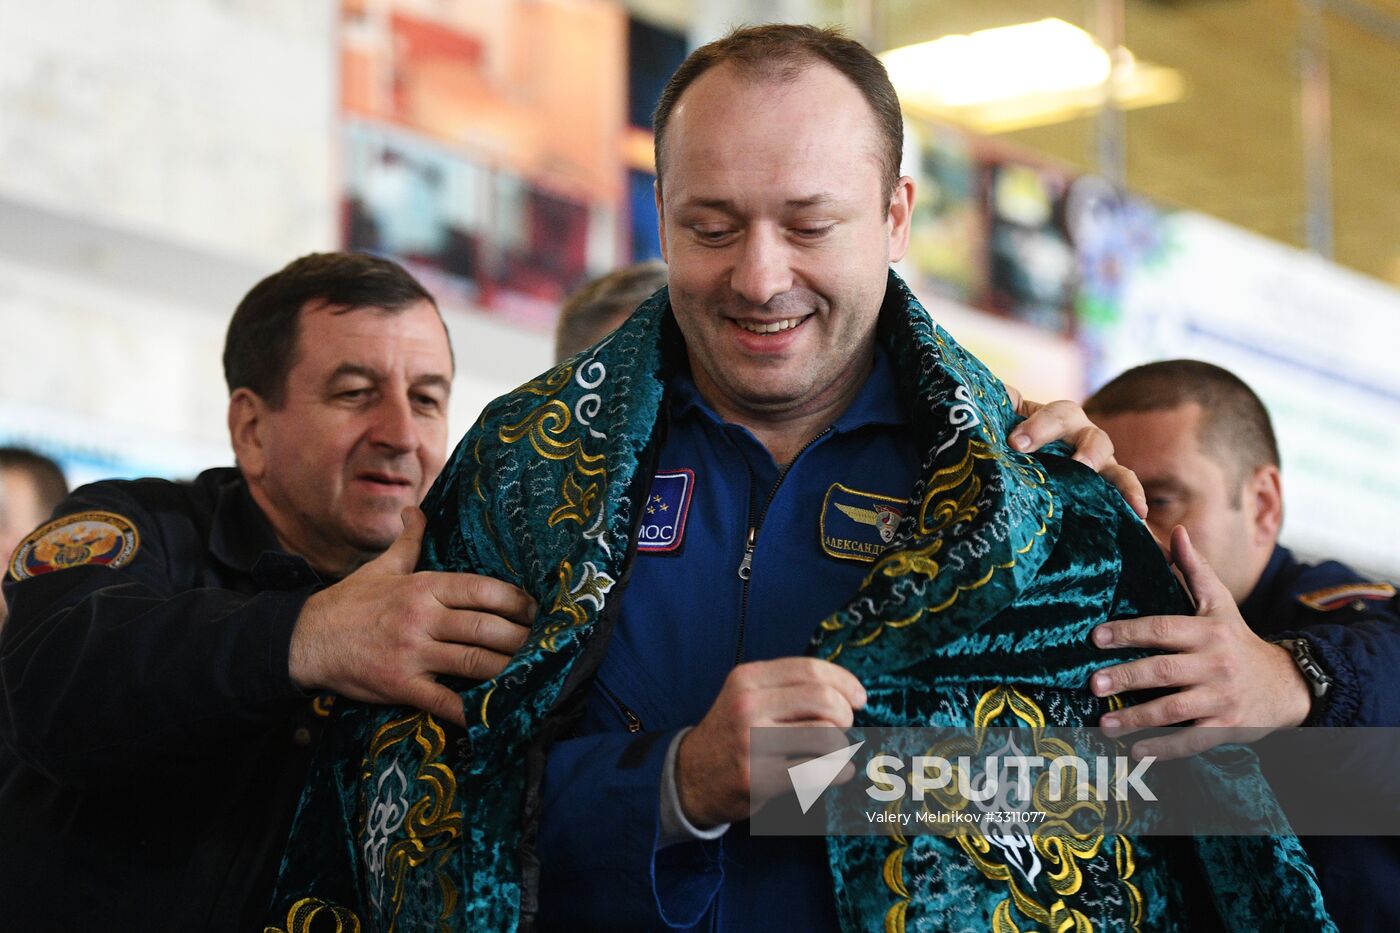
(1100, 183)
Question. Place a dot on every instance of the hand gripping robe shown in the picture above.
(978, 613)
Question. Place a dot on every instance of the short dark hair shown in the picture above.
(1235, 425)
(47, 475)
(782, 51)
(261, 343)
(594, 308)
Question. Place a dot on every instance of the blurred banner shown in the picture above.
(1079, 281)
(1316, 341)
(482, 145)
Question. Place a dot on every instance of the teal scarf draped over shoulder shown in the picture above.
(978, 613)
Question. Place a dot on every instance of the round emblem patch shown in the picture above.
(104, 538)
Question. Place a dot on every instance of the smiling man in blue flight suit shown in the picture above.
(694, 503)
(1314, 644)
(767, 228)
(785, 441)
(691, 615)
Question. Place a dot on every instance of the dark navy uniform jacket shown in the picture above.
(1353, 626)
(152, 745)
(687, 619)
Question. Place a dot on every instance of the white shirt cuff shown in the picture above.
(675, 827)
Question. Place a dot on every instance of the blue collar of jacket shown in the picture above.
(877, 402)
(1259, 603)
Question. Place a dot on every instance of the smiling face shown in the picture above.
(361, 433)
(778, 238)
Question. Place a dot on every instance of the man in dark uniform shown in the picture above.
(171, 646)
(1314, 644)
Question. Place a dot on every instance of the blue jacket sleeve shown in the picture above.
(599, 835)
(1362, 657)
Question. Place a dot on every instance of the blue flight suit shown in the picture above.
(1353, 626)
(687, 619)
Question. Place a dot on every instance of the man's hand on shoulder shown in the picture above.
(713, 776)
(1222, 674)
(381, 634)
(1066, 421)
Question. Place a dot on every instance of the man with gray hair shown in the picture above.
(173, 648)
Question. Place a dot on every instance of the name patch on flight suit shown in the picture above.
(857, 525)
(663, 516)
(104, 538)
(1347, 594)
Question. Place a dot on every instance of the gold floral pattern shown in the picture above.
(1057, 845)
(309, 910)
(407, 821)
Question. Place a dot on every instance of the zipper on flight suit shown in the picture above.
(746, 564)
(634, 722)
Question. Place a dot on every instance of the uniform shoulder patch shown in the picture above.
(104, 538)
(1346, 594)
(857, 525)
(668, 503)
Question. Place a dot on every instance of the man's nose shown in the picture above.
(394, 426)
(762, 269)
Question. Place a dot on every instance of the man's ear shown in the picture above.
(901, 217)
(246, 414)
(1265, 491)
(660, 219)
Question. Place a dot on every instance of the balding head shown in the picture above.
(781, 53)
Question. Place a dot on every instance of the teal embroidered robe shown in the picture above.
(979, 612)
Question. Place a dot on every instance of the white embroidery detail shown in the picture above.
(1012, 793)
(590, 375)
(592, 587)
(586, 409)
(385, 816)
(598, 532)
(963, 418)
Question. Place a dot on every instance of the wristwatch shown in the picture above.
(1318, 679)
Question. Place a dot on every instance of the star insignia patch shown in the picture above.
(668, 503)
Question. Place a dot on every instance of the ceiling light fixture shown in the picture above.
(1029, 74)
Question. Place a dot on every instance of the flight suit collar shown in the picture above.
(1255, 608)
(241, 537)
(877, 403)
